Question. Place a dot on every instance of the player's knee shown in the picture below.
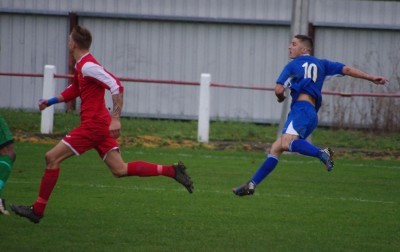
(116, 165)
(276, 148)
(285, 145)
(118, 173)
(50, 159)
(285, 142)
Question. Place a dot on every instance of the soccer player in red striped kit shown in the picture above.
(98, 129)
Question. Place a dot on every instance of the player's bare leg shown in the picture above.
(120, 168)
(267, 167)
(53, 158)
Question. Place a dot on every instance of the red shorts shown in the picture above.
(84, 138)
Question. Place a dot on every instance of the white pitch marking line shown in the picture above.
(244, 157)
(354, 199)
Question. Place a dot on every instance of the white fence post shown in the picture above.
(49, 83)
(204, 109)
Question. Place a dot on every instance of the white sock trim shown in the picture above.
(159, 169)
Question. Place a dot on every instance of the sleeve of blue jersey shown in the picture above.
(333, 68)
(284, 76)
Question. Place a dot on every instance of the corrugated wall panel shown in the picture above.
(182, 51)
(355, 12)
(27, 44)
(232, 53)
(250, 9)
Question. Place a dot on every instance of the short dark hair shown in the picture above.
(82, 37)
(308, 41)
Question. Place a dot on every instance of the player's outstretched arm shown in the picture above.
(354, 72)
(115, 125)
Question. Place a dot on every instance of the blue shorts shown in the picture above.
(301, 121)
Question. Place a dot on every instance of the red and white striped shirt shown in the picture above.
(90, 82)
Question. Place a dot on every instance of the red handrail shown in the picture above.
(219, 85)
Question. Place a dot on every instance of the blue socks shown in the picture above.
(305, 148)
(300, 145)
(266, 168)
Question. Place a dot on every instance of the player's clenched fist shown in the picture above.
(43, 103)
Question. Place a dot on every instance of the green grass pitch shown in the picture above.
(299, 207)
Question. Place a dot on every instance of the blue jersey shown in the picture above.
(306, 74)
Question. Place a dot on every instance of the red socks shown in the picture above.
(144, 169)
(49, 180)
(137, 168)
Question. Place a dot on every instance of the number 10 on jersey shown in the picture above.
(310, 71)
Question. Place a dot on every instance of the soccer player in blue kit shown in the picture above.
(304, 75)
